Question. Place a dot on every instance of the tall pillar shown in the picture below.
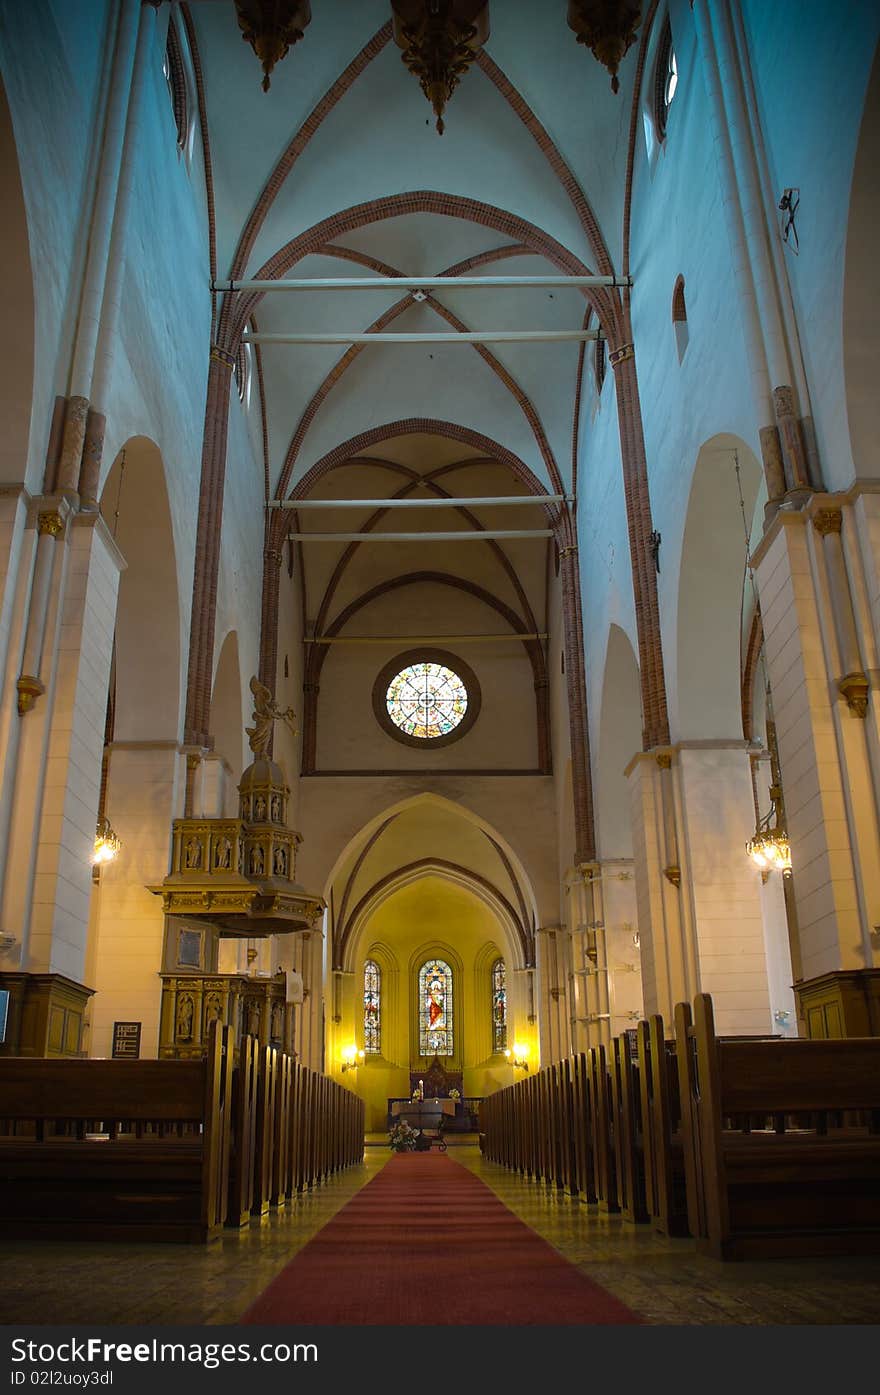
(552, 993)
(54, 808)
(814, 570)
(702, 924)
(144, 793)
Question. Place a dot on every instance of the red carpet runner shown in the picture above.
(427, 1243)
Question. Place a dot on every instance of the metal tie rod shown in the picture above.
(492, 336)
(419, 283)
(431, 503)
(422, 537)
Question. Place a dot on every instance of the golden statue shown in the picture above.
(266, 714)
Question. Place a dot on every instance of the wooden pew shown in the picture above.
(104, 1150)
(782, 1141)
(666, 1192)
(582, 1135)
(629, 1147)
(601, 1126)
(243, 1152)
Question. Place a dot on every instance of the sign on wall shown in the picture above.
(126, 1041)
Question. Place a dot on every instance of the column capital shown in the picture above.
(222, 356)
(826, 521)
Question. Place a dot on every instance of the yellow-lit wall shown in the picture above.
(431, 917)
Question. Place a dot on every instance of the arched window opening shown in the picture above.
(499, 1006)
(600, 362)
(372, 1008)
(665, 80)
(435, 1009)
(243, 372)
(175, 76)
(679, 317)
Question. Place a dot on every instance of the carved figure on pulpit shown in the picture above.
(279, 861)
(223, 854)
(184, 1017)
(253, 1018)
(192, 858)
(213, 1009)
(277, 1022)
(258, 861)
(276, 808)
(259, 808)
(266, 714)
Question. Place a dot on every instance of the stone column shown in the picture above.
(144, 788)
(700, 918)
(55, 805)
(816, 633)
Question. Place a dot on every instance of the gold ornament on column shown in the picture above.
(272, 27)
(608, 28)
(440, 39)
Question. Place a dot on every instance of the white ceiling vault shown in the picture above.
(340, 163)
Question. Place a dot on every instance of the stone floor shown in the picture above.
(665, 1281)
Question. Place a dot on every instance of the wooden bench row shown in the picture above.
(166, 1150)
(754, 1146)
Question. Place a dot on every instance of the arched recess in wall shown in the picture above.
(620, 738)
(227, 722)
(861, 292)
(17, 345)
(706, 689)
(134, 504)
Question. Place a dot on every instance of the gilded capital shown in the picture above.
(621, 354)
(855, 688)
(29, 689)
(672, 873)
(50, 523)
(664, 760)
(223, 356)
(827, 521)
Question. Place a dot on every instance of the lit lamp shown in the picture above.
(519, 1056)
(770, 849)
(351, 1058)
(107, 844)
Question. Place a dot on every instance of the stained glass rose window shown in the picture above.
(426, 698)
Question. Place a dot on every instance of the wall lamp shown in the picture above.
(351, 1058)
(519, 1056)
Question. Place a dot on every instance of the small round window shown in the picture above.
(426, 698)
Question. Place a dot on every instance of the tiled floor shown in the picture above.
(664, 1280)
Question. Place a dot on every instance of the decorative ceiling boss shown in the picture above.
(440, 39)
(272, 27)
(608, 28)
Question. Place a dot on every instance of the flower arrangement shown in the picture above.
(454, 1094)
(402, 1137)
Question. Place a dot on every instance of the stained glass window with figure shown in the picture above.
(499, 1006)
(435, 1009)
(372, 1008)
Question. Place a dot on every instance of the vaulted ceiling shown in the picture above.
(338, 170)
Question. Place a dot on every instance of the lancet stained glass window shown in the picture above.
(435, 1009)
(426, 700)
(499, 1006)
(372, 1008)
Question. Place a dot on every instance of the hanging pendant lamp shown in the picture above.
(272, 27)
(608, 28)
(440, 39)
